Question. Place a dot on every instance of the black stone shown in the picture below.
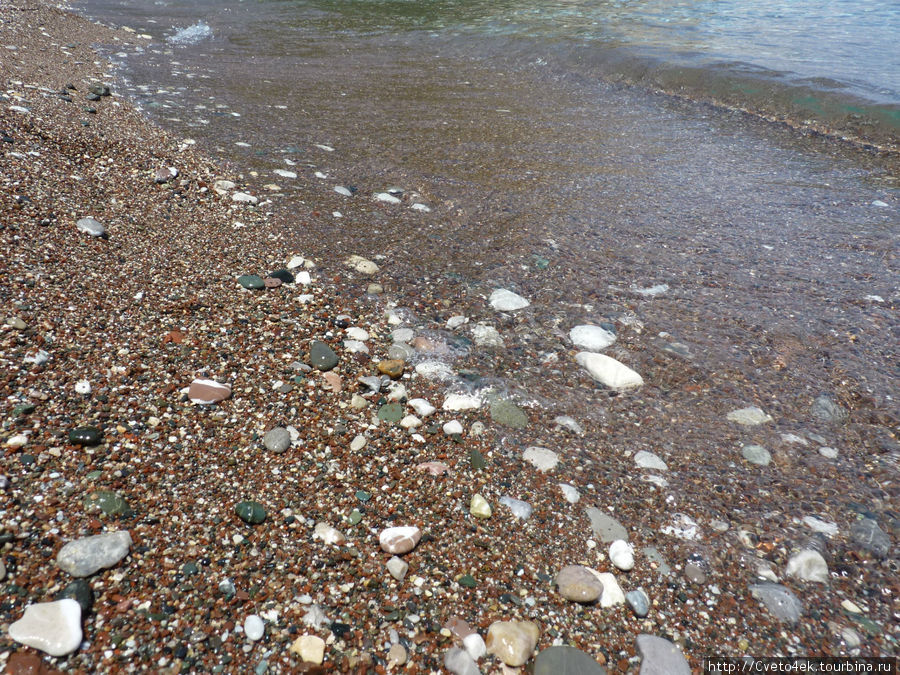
(283, 275)
(79, 591)
(93, 97)
(340, 629)
(85, 436)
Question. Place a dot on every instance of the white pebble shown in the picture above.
(83, 387)
(621, 555)
(254, 628)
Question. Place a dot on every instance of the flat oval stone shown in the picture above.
(91, 227)
(661, 657)
(591, 338)
(252, 282)
(277, 440)
(271, 282)
(607, 371)
(321, 356)
(779, 600)
(53, 627)
(638, 601)
(504, 300)
(250, 512)
(508, 414)
(107, 502)
(83, 557)
(578, 584)
(208, 392)
(563, 659)
(391, 412)
(399, 540)
(85, 436)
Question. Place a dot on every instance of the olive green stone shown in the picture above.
(476, 459)
(85, 436)
(250, 512)
(508, 414)
(107, 502)
(392, 412)
(23, 409)
(354, 517)
(363, 496)
(321, 356)
(252, 282)
(189, 569)
(283, 276)
(468, 581)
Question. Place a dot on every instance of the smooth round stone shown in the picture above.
(250, 512)
(479, 507)
(393, 368)
(621, 555)
(512, 641)
(277, 440)
(321, 356)
(473, 643)
(86, 436)
(578, 584)
(504, 300)
(397, 653)
(570, 493)
(358, 443)
(83, 557)
(91, 227)
(272, 282)
(357, 333)
(252, 282)
(808, 565)
(608, 372)
(83, 387)
(638, 601)
(399, 540)
(508, 414)
(661, 657)
(254, 628)
(451, 428)
(756, 454)
(591, 338)
(53, 627)
(695, 573)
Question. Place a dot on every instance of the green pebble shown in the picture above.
(354, 517)
(94, 475)
(476, 459)
(363, 496)
(508, 414)
(108, 502)
(252, 282)
(468, 581)
(23, 409)
(392, 412)
(250, 512)
(190, 569)
(321, 356)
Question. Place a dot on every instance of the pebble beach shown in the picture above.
(233, 445)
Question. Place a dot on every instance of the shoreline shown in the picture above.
(141, 314)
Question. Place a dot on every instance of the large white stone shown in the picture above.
(310, 648)
(621, 555)
(749, 416)
(808, 565)
(399, 540)
(52, 627)
(461, 402)
(83, 557)
(91, 227)
(607, 371)
(486, 336)
(361, 265)
(648, 460)
(506, 301)
(422, 407)
(254, 627)
(542, 458)
(591, 338)
(612, 592)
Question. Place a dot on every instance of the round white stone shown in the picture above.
(591, 338)
(453, 427)
(83, 387)
(254, 628)
(621, 555)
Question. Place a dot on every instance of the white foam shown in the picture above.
(190, 35)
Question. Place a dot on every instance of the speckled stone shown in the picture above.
(277, 440)
(83, 557)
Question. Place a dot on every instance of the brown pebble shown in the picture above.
(393, 368)
(272, 282)
(23, 663)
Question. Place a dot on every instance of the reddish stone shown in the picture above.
(333, 382)
(272, 282)
(434, 468)
(208, 392)
(24, 663)
(175, 336)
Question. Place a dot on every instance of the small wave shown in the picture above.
(190, 35)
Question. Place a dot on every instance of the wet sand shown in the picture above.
(143, 313)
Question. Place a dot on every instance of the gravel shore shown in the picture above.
(256, 523)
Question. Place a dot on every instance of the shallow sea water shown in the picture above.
(778, 249)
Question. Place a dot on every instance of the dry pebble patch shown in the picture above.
(154, 308)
